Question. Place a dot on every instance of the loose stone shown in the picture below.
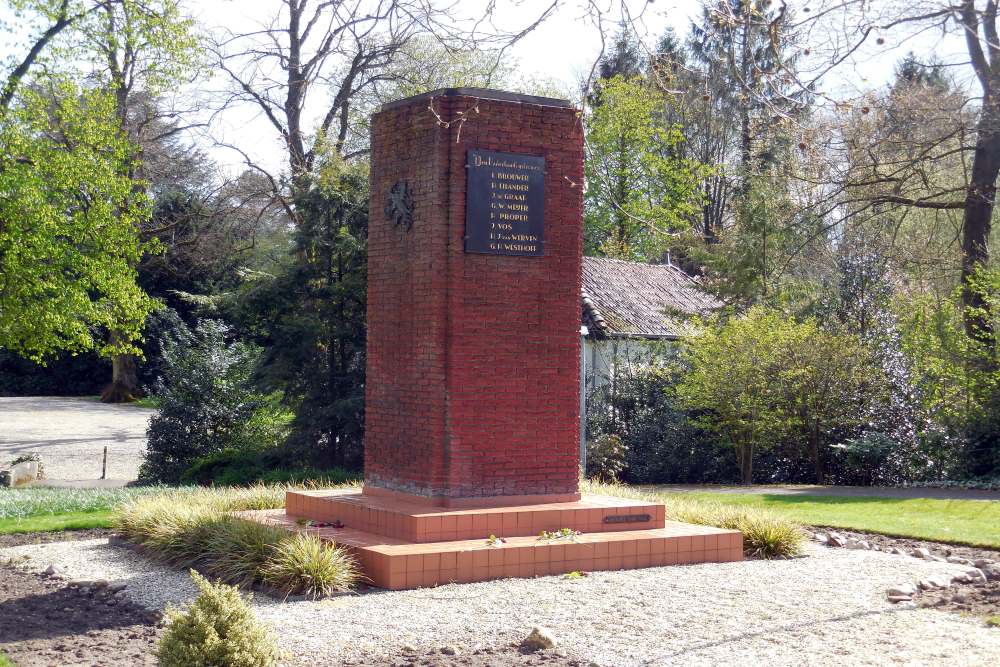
(906, 590)
(540, 638)
(935, 582)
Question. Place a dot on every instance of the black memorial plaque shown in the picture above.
(505, 197)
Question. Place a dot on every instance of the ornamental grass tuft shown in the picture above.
(304, 565)
(765, 535)
(197, 529)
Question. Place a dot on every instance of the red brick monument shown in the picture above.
(472, 387)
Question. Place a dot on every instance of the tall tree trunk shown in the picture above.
(979, 201)
(124, 387)
(816, 454)
(745, 459)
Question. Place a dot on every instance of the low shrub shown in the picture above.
(238, 468)
(606, 457)
(208, 404)
(305, 565)
(662, 444)
(765, 535)
(196, 529)
(219, 629)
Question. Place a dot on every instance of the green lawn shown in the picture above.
(973, 522)
(67, 521)
(5, 661)
(38, 508)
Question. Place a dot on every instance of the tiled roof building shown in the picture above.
(623, 299)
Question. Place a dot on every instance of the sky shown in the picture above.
(562, 49)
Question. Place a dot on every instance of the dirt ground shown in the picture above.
(981, 600)
(509, 656)
(45, 621)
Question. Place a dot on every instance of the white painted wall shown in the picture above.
(604, 356)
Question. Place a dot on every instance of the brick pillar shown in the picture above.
(472, 393)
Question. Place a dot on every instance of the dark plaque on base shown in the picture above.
(504, 211)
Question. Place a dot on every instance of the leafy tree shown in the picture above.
(864, 308)
(743, 52)
(137, 49)
(639, 191)
(68, 224)
(763, 379)
(830, 382)
(736, 381)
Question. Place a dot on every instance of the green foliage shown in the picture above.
(239, 550)
(68, 225)
(240, 468)
(311, 320)
(606, 457)
(638, 404)
(735, 380)
(197, 529)
(763, 378)
(156, 42)
(219, 629)
(303, 564)
(958, 375)
(640, 190)
(760, 258)
(207, 405)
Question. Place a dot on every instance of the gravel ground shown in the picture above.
(827, 608)
(71, 433)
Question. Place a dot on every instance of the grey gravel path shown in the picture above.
(827, 608)
(71, 433)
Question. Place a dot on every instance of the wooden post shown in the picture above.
(104, 464)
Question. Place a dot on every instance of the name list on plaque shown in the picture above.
(505, 198)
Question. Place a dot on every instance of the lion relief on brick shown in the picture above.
(399, 206)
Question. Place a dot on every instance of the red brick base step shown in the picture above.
(460, 551)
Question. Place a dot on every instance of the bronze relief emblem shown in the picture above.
(399, 206)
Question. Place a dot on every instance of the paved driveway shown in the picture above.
(71, 433)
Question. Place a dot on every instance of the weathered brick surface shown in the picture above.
(473, 375)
